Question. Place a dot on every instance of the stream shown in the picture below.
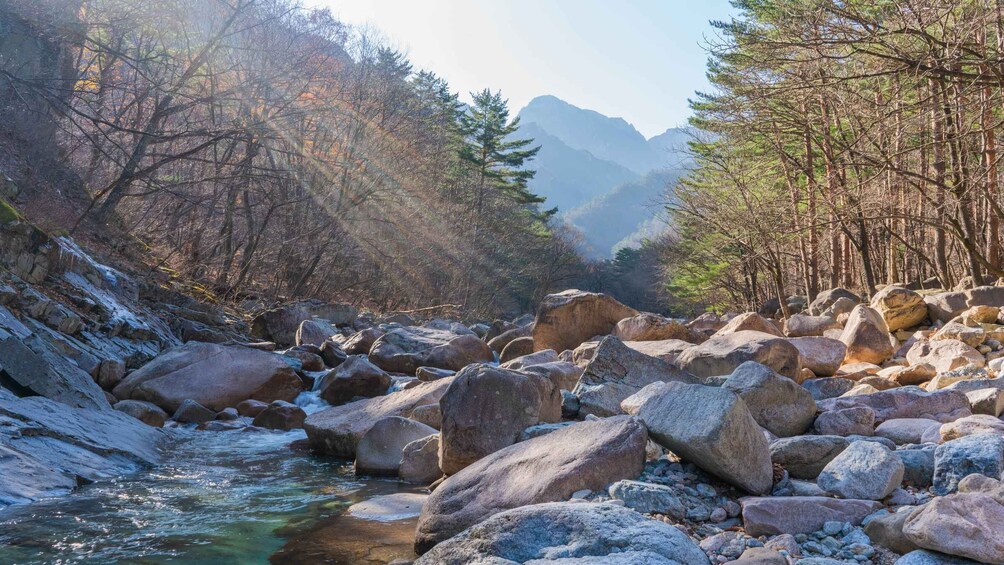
(235, 497)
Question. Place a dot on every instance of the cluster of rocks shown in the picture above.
(848, 433)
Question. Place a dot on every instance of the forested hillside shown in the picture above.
(259, 149)
(849, 143)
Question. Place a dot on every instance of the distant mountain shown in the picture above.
(625, 215)
(610, 139)
(568, 177)
(601, 173)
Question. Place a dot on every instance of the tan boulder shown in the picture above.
(750, 321)
(867, 337)
(652, 327)
(899, 307)
(566, 319)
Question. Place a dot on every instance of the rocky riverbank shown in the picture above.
(853, 431)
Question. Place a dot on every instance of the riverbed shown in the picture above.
(238, 497)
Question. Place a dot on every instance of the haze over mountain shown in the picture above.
(603, 175)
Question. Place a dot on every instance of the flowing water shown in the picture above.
(217, 498)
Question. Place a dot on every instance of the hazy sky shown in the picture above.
(636, 59)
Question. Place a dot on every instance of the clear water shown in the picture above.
(217, 498)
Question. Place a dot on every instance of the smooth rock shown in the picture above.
(771, 515)
(563, 532)
(905, 430)
(280, 415)
(586, 455)
(215, 376)
(944, 355)
(749, 321)
(864, 470)
(906, 402)
(191, 412)
(389, 507)
(566, 319)
(963, 524)
(720, 355)
(146, 412)
(713, 429)
(652, 327)
(804, 457)
(615, 372)
(355, 377)
(803, 325)
(899, 307)
(867, 337)
(856, 420)
(777, 403)
(336, 430)
(380, 450)
(486, 408)
(403, 350)
(821, 355)
(420, 461)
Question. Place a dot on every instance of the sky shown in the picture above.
(635, 59)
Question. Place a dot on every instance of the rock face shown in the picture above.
(899, 307)
(965, 524)
(712, 428)
(804, 457)
(821, 355)
(864, 470)
(906, 402)
(867, 337)
(337, 430)
(33, 366)
(403, 350)
(616, 372)
(486, 408)
(47, 447)
(586, 455)
(768, 516)
(356, 376)
(280, 415)
(215, 376)
(652, 327)
(778, 404)
(280, 324)
(720, 355)
(567, 532)
(981, 454)
(381, 449)
(566, 319)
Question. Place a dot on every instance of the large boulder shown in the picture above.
(381, 448)
(864, 470)
(146, 412)
(804, 457)
(564, 374)
(215, 376)
(712, 428)
(519, 347)
(498, 343)
(721, 354)
(337, 430)
(821, 355)
(360, 342)
(586, 455)
(750, 321)
(34, 367)
(615, 372)
(970, 425)
(901, 308)
(963, 524)
(777, 403)
(567, 532)
(944, 355)
(402, 350)
(280, 415)
(906, 402)
(954, 460)
(827, 298)
(486, 408)
(867, 337)
(652, 327)
(773, 515)
(314, 332)
(420, 461)
(804, 325)
(566, 319)
(355, 377)
(280, 324)
(906, 430)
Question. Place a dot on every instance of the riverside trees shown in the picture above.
(847, 143)
(256, 146)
